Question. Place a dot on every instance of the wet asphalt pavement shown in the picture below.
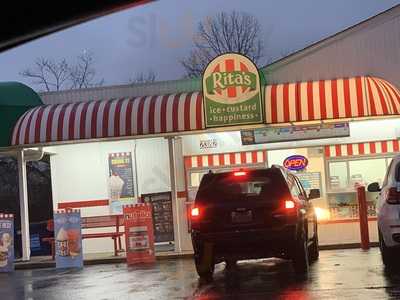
(339, 274)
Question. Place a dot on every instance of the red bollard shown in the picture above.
(363, 215)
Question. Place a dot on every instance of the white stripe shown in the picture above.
(88, 121)
(316, 100)
(292, 102)
(268, 105)
(134, 120)
(194, 161)
(390, 147)
(249, 158)
(23, 127)
(77, 125)
(111, 117)
(99, 121)
(328, 99)
(353, 97)
(204, 160)
(146, 114)
(181, 112)
(260, 157)
(341, 102)
(394, 95)
(54, 125)
(32, 126)
(216, 161)
(169, 115)
(66, 121)
(157, 115)
(43, 123)
(355, 149)
(192, 116)
(16, 129)
(237, 159)
(366, 148)
(332, 150)
(365, 95)
(378, 147)
(122, 117)
(304, 101)
(376, 99)
(385, 96)
(343, 149)
(227, 160)
(279, 103)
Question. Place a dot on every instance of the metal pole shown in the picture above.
(175, 206)
(23, 205)
(363, 215)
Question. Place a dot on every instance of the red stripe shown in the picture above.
(128, 116)
(274, 111)
(347, 103)
(298, 102)
(187, 111)
(286, 107)
(210, 160)
(310, 100)
(37, 125)
(80, 204)
(338, 150)
(71, 122)
(242, 157)
(117, 116)
(254, 157)
(199, 111)
(384, 147)
(82, 122)
(232, 158)
(49, 124)
(93, 122)
(61, 123)
(188, 162)
(22, 118)
(395, 146)
(361, 150)
(199, 161)
(371, 99)
(163, 117)
(152, 114)
(175, 115)
(140, 117)
(28, 126)
(372, 147)
(389, 86)
(221, 158)
(381, 98)
(230, 67)
(360, 97)
(392, 101)
(327, 151)
(322, 99)
(349, 149)
(335, 100)
(181, 194)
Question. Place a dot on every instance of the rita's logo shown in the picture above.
(295, 162)
(231, 91)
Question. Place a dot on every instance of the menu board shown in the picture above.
(120, 181)
(162, 216)
(310, 180)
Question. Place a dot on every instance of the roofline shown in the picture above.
(325, 41)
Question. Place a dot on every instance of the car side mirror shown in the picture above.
(374, 187)
(314, 193)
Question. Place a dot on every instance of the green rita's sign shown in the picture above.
(231, 91)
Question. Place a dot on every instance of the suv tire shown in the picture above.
(204, 262)
(386, 253)
(300, 255)
(313, 254)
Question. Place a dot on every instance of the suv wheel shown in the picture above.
(204, 261)
(314, 248)
(300, 255)
(386, 253)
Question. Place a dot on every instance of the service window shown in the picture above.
(367, 171)
(338, 175)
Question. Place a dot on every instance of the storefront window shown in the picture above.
(366, 171)
(195, 178)
(338, 176)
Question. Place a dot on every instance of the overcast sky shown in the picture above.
(157, 35)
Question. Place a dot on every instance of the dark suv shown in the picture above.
(253, 214)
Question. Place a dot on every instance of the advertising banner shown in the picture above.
(68, 239)
(232, 92)
(139, 234)
(6, 243)
(120, 182)
(162, 216)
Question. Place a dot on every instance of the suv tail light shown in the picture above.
(289, 204)
(393, 196)
(195, 213)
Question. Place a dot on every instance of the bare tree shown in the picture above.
(225, 32)
(142, 77)
(51, 75)
(48, 74)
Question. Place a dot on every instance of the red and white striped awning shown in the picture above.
(110, 118)
(368, 148)
(226, 159)
(331, 99)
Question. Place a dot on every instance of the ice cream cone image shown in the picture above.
(74, 244)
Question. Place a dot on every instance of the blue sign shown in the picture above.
(68, 239)
(6, 243)
(295, 162)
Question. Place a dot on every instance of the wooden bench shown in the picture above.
(98, 222)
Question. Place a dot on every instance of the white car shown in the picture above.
(388, 212)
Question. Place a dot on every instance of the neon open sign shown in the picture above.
(295, 162)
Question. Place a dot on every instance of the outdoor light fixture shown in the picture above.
(239, 173)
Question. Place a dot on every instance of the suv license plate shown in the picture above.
(242, 217)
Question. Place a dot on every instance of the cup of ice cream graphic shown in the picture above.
(115, 184)
(5, 244)
(74, 244)
(62, 245)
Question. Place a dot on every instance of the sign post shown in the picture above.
(68, 239)
(139, 233)
(6, 243)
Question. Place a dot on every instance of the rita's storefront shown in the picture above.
(108, 153)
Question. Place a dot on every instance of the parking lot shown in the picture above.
(339, 274)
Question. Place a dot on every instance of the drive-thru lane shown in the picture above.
(350, 274)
